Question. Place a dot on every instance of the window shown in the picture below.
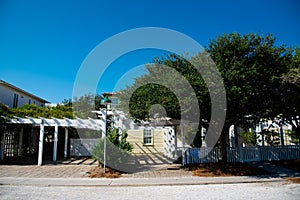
(29, 101)
(148, 137)
(16, 100)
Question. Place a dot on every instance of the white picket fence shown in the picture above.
(243, 154)
(201, 155)
(266, 153)
(246, 154)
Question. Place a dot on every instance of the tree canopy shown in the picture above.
(260, 78)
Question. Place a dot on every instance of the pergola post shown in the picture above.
(20, 142)
(66, 142)
(55, 142)
(41, 144)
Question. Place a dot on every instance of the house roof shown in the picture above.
(22, 91)
(108, 93)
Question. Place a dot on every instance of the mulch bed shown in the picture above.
(294, 180)
(225, 169)
(98, 172)
(212, 170)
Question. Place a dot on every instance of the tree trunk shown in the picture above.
(223, 143)
(197, 142)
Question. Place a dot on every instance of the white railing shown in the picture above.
(280, 152)
(243, 154)
(266, 153)
(201, 155)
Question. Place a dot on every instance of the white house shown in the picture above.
(14, 97)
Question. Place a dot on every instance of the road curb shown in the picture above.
(131, 182)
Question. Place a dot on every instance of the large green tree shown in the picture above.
(165, 84)
(252, 67)
(288, 103)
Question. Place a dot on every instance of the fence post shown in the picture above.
(241, 154)
(259, 153)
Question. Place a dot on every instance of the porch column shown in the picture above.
(20, 142)
(55, 143)
(66, 142)
(41, 144)
(183, 144)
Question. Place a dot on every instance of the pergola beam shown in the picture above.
(76, 123)
(92, 124)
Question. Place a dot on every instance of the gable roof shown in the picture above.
(22, 91)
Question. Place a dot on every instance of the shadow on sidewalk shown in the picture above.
(48, 161)
(276, 169)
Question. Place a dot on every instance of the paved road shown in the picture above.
(69, 181)
(273, 190)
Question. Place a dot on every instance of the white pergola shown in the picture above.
(92, 124)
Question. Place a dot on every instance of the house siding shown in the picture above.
(7, 95)
(135, 137)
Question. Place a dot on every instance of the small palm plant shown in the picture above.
(117, 150)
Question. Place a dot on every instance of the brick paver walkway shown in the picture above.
(73, 168)
(78, 167)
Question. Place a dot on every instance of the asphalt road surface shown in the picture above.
(274, 190)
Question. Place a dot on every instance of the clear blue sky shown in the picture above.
(43, 43)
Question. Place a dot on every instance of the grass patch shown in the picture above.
(225, 169)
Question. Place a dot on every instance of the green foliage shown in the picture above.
(293, 75)
(4, 113)
(31, 110)
(150, 94)
(146, 91)
(248, 138)
(251, 66)
(272, 137)
(118, 149)
(289, 94)
(259, 77)
(83, 105)
(294, 136)
(119, 139)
